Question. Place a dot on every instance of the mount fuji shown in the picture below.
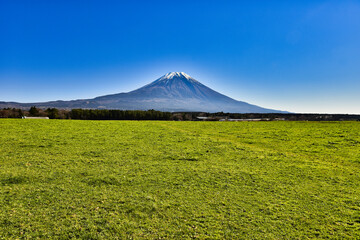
(175, 91)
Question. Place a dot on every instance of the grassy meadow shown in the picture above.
(179, 180)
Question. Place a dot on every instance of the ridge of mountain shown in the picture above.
(174, 91)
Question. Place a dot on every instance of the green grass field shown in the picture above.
(179, 180)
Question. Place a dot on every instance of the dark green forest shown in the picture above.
(106, 114)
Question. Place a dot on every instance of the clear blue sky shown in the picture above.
(299, 56)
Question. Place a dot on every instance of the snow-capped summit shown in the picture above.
(171, 75)
(174, 78)
(176, 75)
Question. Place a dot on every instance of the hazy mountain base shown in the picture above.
(160, 104)
(179, 180)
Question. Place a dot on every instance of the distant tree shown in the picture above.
(52, 113)
(34, 111)
(20, 112)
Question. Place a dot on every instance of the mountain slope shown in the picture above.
(175, 91)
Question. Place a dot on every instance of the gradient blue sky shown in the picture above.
(299, 56)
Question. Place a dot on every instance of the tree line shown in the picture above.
(85, 114)
(105, 114)
(95, 114)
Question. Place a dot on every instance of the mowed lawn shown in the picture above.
(179, 180)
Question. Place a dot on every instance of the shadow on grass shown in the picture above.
(13, 180)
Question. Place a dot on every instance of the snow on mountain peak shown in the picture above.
(171, 75)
